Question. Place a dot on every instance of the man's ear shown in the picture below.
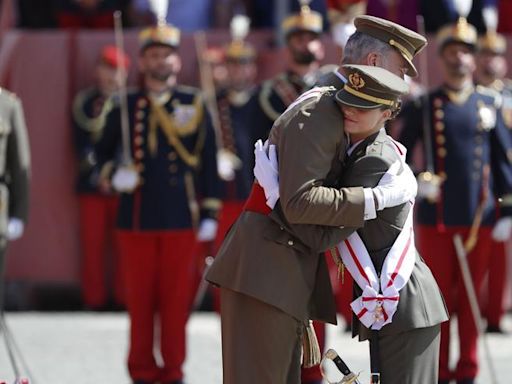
(373, 59)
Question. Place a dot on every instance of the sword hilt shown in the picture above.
(349, 376)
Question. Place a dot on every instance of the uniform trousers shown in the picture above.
(410, 357)
(159, 270)
(497, 284)
(438, 250)
(230, 211)
(260, 343)
(100, 273)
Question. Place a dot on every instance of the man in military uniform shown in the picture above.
(98, 203)
(174, 164)
(235, 109)
(470, 168)
(15, 171)
(491, 68)
(381, 257)
(264, 267)
(305, 50)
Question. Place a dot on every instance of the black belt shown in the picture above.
(374, 357)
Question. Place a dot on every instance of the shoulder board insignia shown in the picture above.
(486, 91)
(305, 103)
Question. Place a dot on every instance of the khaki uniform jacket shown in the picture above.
(14, 161)
(266, 257)
(421, 303)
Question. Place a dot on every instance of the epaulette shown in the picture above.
(508, 84)
(305, 103)
(376, 148)
(495, 95)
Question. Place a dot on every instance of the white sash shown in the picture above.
(375, 309)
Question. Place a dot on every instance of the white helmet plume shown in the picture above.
(463, 7)
(490, 15)
(159, 9)
(239, 27)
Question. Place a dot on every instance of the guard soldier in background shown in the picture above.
(469, 143)
(15, 175)
(98, 203)
(174, 165)
(490, 72)
(235, 110)
(305, 50)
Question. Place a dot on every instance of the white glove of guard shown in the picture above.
(266, 171)
(502, 229)
(394, 189)
(429, 186)
(15, 229)
(428, 190)
(125, 179)
(227, 164)
(207, 230)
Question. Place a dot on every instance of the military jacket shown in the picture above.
(14, 161)
(277, 258)
(174, 152)
(90, 109)
(274, 96)
(468, 135)
(235, 116)
(421, 303)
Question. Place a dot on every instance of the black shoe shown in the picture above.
(313, 382)
(494, 329)
(466, 381)
(143, 382)
(443, 382)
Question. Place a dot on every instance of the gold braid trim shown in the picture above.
(211, 204)
(93, 125)
(159, 117)
(264, 99)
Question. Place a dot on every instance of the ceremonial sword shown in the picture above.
(349, 377)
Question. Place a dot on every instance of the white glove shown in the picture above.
(207, 230)
(429, 186)
(227, 163)
(125, 179)
(502, 229)
(15, 228)
(266, 171)
(394, 189)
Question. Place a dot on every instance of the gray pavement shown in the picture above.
(84, 348)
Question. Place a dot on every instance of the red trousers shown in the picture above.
(497, 284)
(159, 271)
(100, 273)
(439, 253)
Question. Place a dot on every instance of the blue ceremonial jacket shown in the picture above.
(174, 151)
(467, 135)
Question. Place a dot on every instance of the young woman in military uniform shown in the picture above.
(398, 305)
